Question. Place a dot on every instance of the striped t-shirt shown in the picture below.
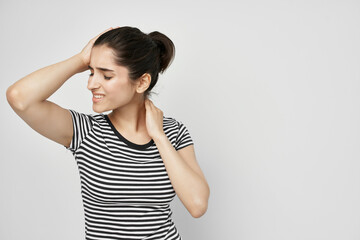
(126, 191)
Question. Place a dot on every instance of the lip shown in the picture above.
(96, 100)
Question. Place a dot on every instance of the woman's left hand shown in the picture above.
(154, 119)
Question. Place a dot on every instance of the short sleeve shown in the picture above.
(82, 125)
(183, 138)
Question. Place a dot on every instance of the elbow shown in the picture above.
(199, 208)
(200, 204)
(12, 96)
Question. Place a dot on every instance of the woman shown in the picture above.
(132, 161)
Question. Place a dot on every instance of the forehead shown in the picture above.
(102, 56)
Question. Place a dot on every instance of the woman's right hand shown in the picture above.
(85, 54)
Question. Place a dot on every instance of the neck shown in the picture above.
(131, 117)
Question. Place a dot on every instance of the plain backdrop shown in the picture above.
(269, 91)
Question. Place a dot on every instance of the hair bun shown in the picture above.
(166, 47)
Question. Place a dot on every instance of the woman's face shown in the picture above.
(109, 80)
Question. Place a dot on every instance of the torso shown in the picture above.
(125, 187)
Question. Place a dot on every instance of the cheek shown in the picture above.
(120, 90)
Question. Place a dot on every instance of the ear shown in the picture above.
(143, 83)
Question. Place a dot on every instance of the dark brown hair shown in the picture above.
(141, 53)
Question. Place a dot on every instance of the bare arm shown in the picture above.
(185, 175)
(41, 84)
(27, 96)
(184, 172)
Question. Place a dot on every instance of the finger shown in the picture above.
(147, 103)
(106, 30)
(151, 104)
(94, 39)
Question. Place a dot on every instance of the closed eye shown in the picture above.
(107, 78)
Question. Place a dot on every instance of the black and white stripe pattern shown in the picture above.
(125, 188)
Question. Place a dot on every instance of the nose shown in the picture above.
(93, 83)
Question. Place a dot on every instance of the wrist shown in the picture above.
(160, 137)
(79, 63)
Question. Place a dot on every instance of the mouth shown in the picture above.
(97, 98)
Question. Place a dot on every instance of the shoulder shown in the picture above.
(170, 122)
(177, 133)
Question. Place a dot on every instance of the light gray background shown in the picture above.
(269, 91)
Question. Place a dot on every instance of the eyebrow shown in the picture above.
(102, 69)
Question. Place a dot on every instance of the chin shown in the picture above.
(99, 109)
